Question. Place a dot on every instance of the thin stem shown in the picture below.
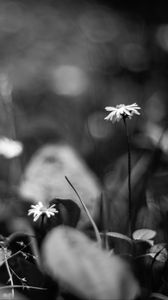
(34, 249)
(129, 179)
(21, 286)
(17, 275)
(9, 272)
(17, 234)
(32, 243)
(97, 234)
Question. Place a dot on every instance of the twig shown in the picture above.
(32, 243)
(21, 251)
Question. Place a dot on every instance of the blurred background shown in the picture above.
(63, 61)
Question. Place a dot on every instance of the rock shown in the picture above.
(44, 179)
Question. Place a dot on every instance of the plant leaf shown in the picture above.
(158, 296)
(159, 252)
(69, 211)
(119, 236)
(85, 269)
(144, 234)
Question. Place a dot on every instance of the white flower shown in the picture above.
(121, 111)
(10, 148)
(39, 209)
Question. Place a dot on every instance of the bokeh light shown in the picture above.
(69, 80)
(98, 128)
(133, 56)
(99, 25)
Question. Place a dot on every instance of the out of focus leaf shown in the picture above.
(158, 296)
(86, 270)
(5, 293)
(144, 234)
(44, 179)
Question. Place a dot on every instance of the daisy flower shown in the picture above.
(40, 209)
(121, 111)
(10, 148)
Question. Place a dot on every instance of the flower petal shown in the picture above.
(110, 108)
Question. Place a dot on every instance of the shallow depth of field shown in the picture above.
(83, 173)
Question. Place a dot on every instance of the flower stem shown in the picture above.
(129, 180)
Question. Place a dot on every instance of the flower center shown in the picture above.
(43, 209)
(120, 106)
